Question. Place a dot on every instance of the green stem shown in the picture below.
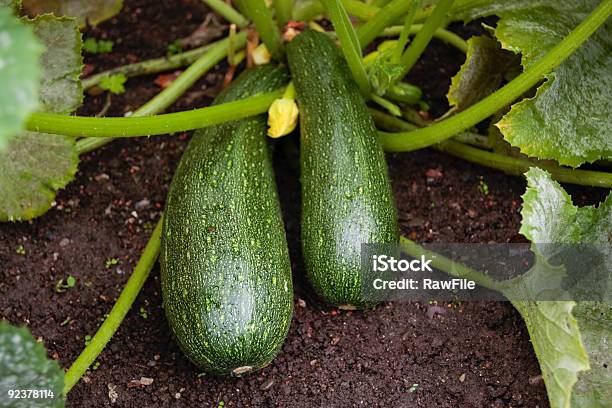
(388, 105)
(284, 11)
(154, 65)
(508, 164)
(227, 12)
(261, 16)
(403, 38)
(169, 95)
(359, 9)
(379, 3)
(79, 126)
(417, 139)
(518, 166)
(415, 49)
(441, 34)
(447, 265)
(118, 312)
(349, 43)
(384, 18)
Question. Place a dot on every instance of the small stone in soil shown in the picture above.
(266, 385)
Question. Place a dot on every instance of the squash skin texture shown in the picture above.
(225, 269)
(347, 199)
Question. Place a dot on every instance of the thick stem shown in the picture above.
(424, 36)
(405, 32)
(156, 65)
(284, 12)
(261, 16)
(447, 265)
(407, 141)
(349, 43)
(169, 95)
(227, 12)
(507, 164)
(441, 34)
(384, 18)
(118, 312)
(518, 166)
(80, 126)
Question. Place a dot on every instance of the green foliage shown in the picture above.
(570, 338)
(174, 48)
(93, 12)
(61, 285)
(483, 72)
(568, 119)
(34, 165)
(113, 83)
(19, 75)
(24, 366)
(93, 46)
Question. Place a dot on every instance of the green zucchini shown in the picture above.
(225, 269)
(346, 194)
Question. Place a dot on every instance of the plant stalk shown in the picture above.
(417, 139)
(226, 11)
(508, 164)
(447, 265)
(118, 312)
(169, 95)
(349, 43)
(417, 46)
(155, 65)
(284, 12)
(80, 126)
(441, 34)
(268, 30)
(384, 18)
(405, 32)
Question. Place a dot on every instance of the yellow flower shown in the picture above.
(282, 117)
(261, 55)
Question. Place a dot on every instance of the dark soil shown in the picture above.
(473, 355)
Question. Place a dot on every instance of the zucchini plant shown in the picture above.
(540, 78)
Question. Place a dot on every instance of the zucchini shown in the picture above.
(346, 194)
(225, 269)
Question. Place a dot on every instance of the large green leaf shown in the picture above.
(481, 74)
(93, 12)
(15, 4)
(24, 366)
(569, 118)
(35, 166)
(19, 74)
(571, 339)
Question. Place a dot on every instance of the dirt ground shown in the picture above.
(399, 355)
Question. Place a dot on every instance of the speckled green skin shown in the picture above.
(346, 194)
(225, 270)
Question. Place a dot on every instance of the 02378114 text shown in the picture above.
(30, 394)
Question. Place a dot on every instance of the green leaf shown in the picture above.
(19, 74)
(113, 83)
(34, 166)
(93, 46)
(61, 90)
(481, 74)
(568, 120)
(32, 169)
(24, 366)
(93, 12)
(14, 4)
(570, 338)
